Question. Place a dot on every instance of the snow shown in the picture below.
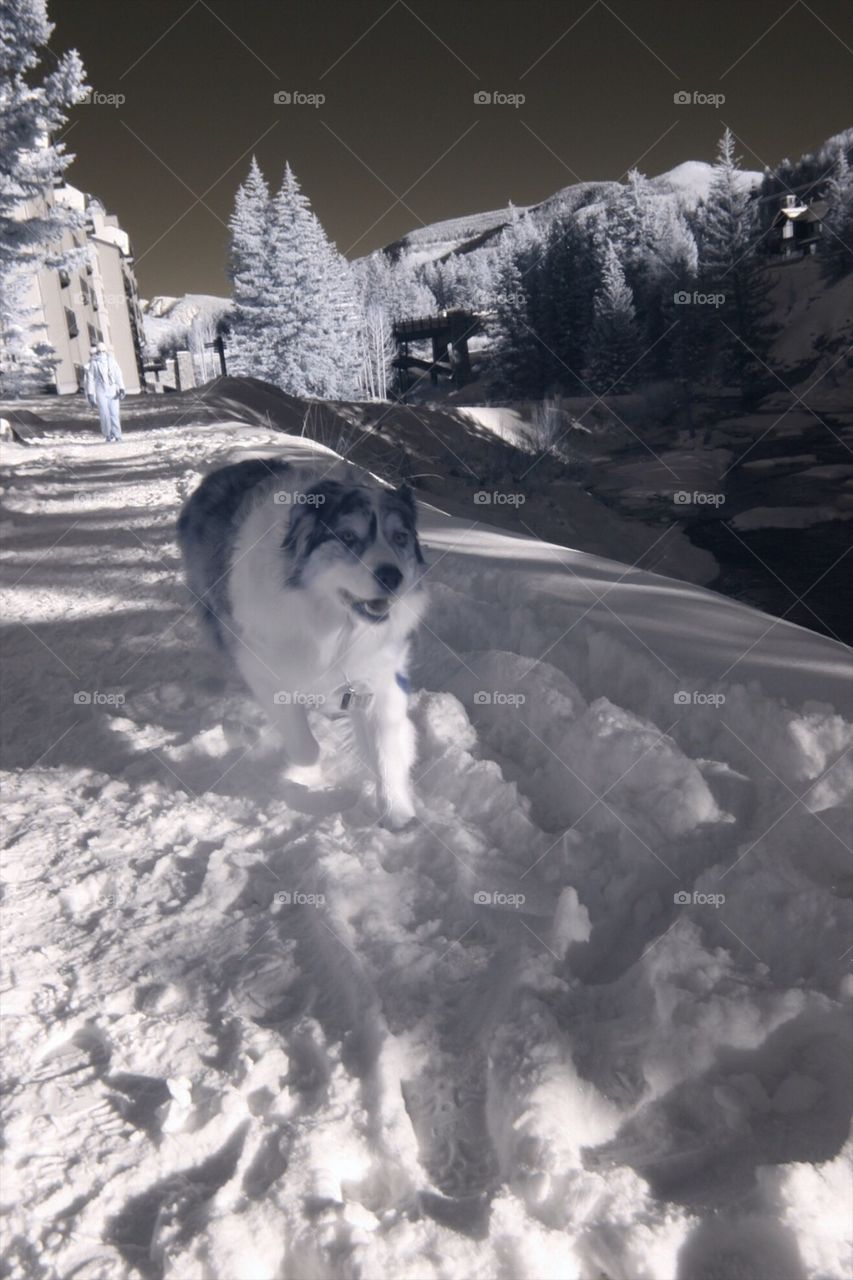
(692, 180)
(770, 464)
(168, 321)
(590, 1018)
(788, 517)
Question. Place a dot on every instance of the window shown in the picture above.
(71, 323)
(64, 278)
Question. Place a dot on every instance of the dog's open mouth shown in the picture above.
(373, 610)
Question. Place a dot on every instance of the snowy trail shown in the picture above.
(251, 1034)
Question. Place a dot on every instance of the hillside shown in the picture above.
(169, 321)
(687, 184)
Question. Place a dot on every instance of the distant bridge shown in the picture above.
(448, 332)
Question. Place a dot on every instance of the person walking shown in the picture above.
(104, 388)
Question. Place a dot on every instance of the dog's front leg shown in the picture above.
(386, 740)
(300, 745)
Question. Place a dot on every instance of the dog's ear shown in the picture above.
(311, 511)
(406, 494)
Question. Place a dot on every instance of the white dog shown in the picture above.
(312, 587)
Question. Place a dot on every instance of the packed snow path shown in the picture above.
(590, 1018)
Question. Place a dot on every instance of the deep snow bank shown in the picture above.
(590, 1017)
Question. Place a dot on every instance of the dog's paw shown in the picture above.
(399, 819)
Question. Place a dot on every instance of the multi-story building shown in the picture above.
(94, 301)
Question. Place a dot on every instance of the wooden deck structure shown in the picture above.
(448, 332)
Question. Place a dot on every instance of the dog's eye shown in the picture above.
(400, 538)
(347, 537)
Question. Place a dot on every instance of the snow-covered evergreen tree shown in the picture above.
(31, 221)
(614, 347)
(729, 265)
(569, 278)
(249, 269)
(334, 366)
(516, 355)
(297, 312)
(397, 285)
(837, 240)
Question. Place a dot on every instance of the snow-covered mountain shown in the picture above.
(168, 321)
(589, 1018)
(686, 184)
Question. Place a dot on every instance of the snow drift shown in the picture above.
(590, 1018)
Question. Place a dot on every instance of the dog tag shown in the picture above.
(355, 699)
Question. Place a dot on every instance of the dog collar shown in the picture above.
(355, 699)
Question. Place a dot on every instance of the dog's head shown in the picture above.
(355, 546)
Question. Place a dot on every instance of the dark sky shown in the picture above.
(199, 77)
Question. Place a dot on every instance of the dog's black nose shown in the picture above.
(388, 576)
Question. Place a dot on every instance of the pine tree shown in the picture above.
(569, 279)
(334, 371)
(730, 266)
(688, 342)
(310, 343)
(614, 348)
(516, 356)
(32, 223)
(837, 240)
(249, 271)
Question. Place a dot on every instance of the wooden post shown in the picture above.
(459, 328)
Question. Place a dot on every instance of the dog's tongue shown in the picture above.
(378, 606)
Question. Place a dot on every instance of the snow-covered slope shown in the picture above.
(688, 183)
(589, 1018)
(168, 321)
